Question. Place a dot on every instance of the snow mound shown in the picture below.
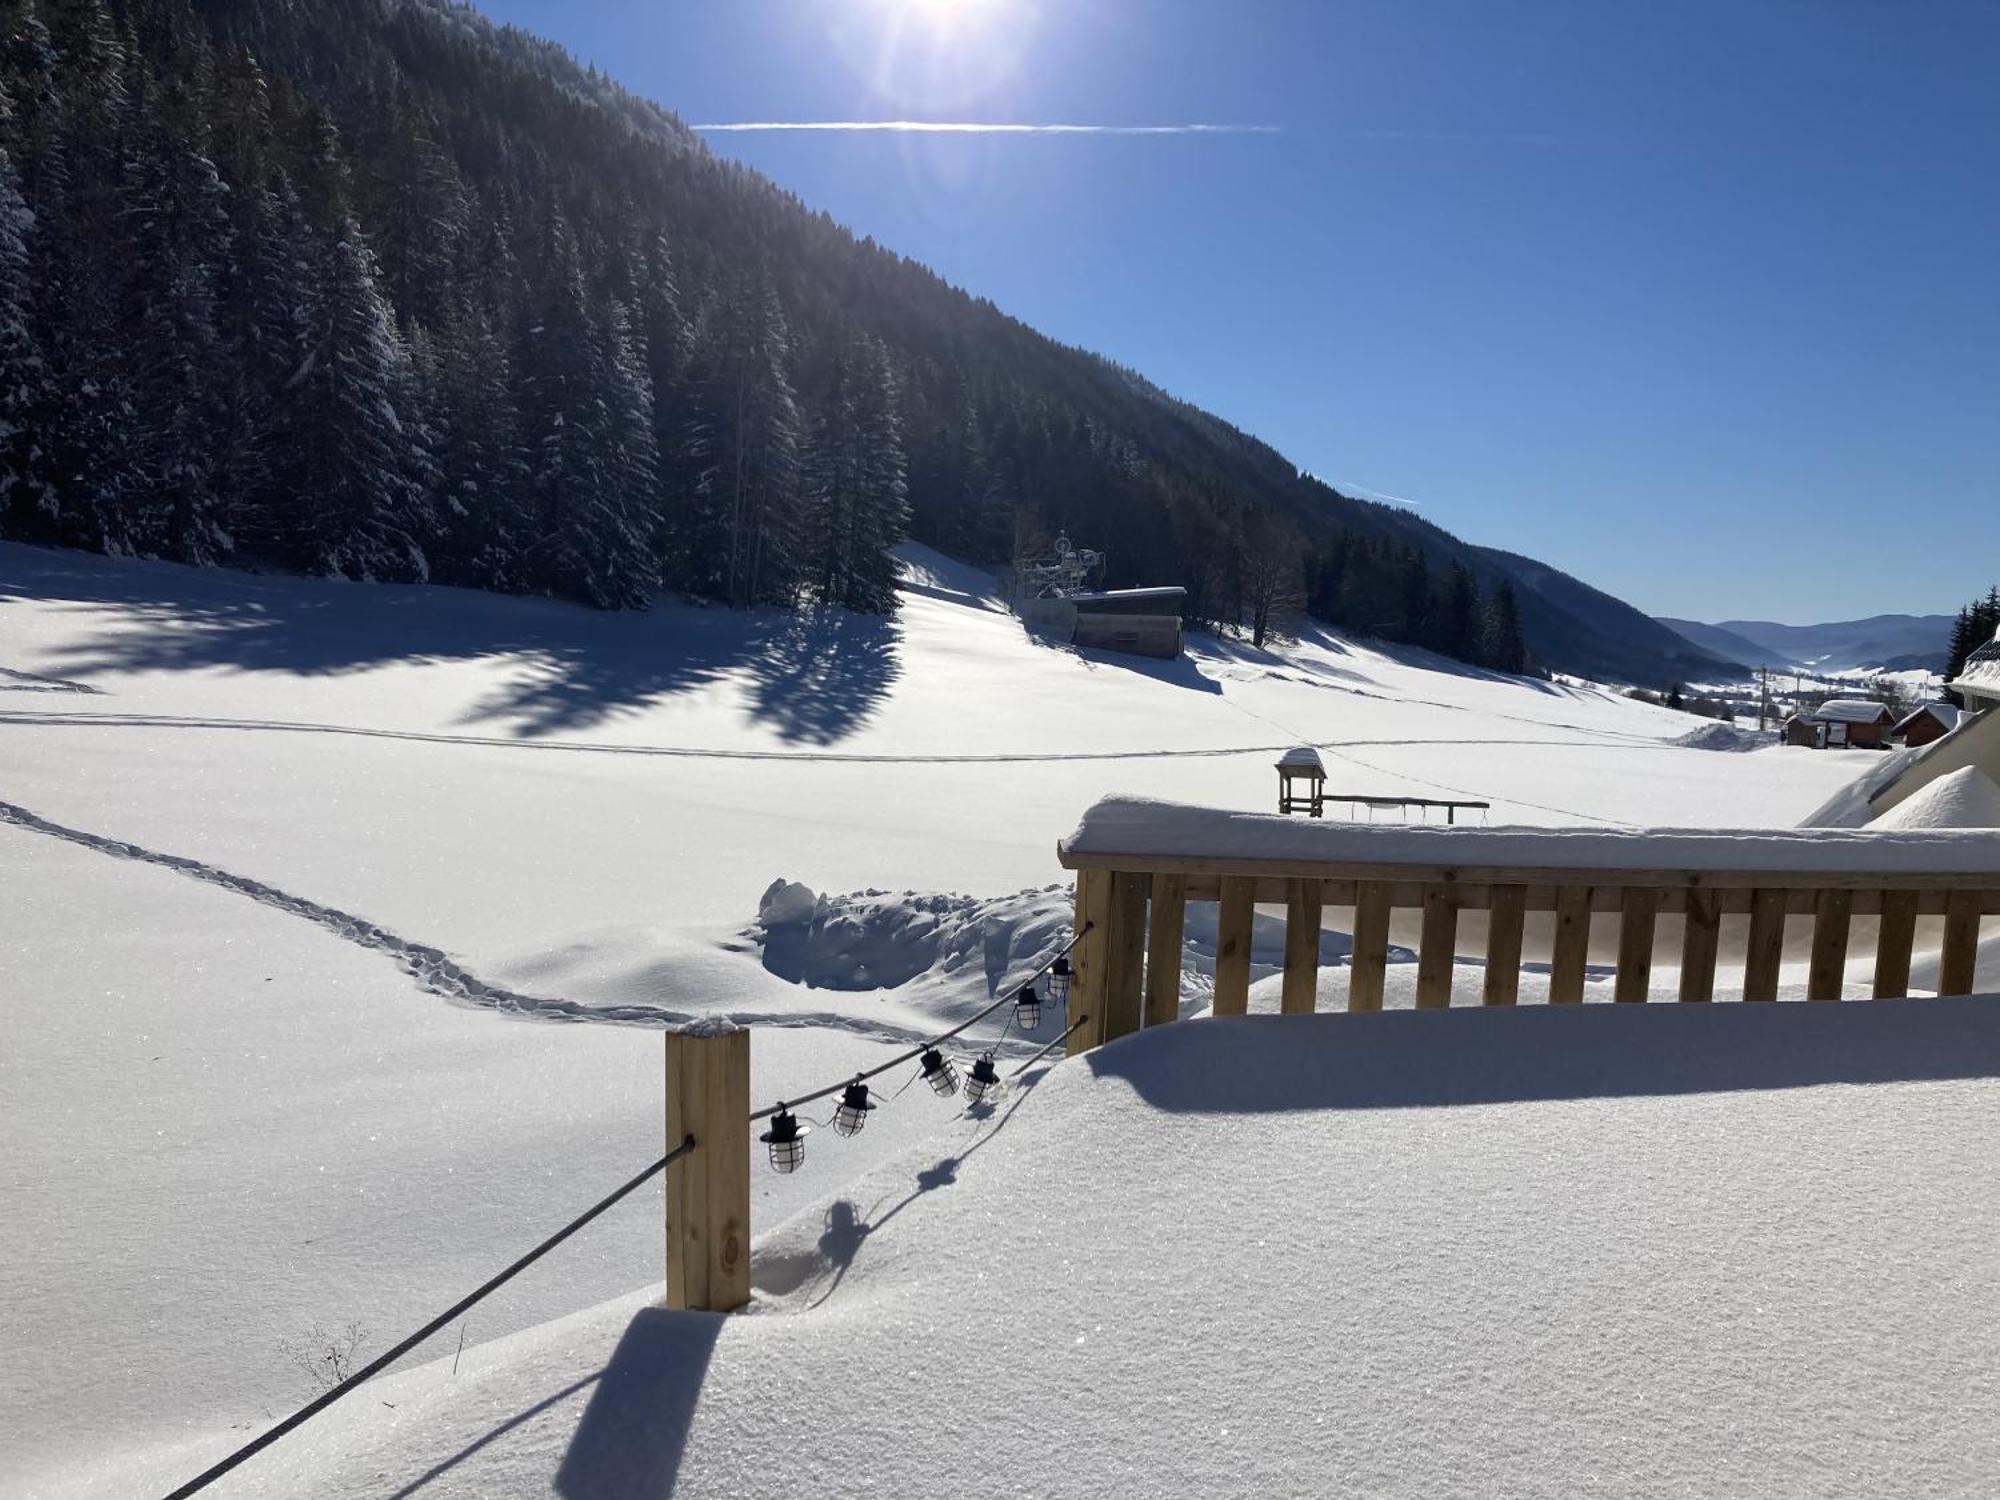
(1725, 737)
(882, 940)
(1967, 798)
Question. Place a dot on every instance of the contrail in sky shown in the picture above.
(978, 127)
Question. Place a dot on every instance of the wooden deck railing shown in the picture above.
(1502, 895)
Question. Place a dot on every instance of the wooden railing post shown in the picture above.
(1898, 935)
(1165, 928)
(1960, 954)
(708, 1190)
(1765, 950)
(1505, 916)
(1089, 971)
(1698, 945)
(1124, 954)
(1832, 919)
(1235, 921)
(1437, 951)
(1570, 955)
(1299, 993)
(1638, 919)
(1368, 960)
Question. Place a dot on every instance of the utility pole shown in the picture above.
(1764, 697)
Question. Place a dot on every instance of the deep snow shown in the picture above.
(289, 1003)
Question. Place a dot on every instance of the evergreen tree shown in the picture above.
(855, 484)
(24, 382)
(347, 504)
(1502, 645)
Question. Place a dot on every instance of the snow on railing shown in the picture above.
(1509, 896)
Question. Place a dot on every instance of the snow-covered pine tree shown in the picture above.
(24, 382)
(855, 484)
(179, 367)
(483, 520)
(347, 504)
(589, 442)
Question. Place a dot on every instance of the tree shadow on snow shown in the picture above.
(1402, 1059)
(813, 677)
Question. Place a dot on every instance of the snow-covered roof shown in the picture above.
(1302, 758)
(1140, 830)
(1981, 671)
(1944, 713)
(1102, 595)
(1852, 711)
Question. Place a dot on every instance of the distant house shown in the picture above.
(1858, 722)
(1804, 729)
(1931, 722)
(1144, 622)
(1978, 681)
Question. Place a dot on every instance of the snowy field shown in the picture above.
(339, 921)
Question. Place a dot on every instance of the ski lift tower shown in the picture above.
(1063, 571)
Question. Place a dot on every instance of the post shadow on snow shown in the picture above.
(815, 677)
(1402, 1059)
(628, 1445)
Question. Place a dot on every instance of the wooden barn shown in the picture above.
(1805, 730)
(1930, 723)
(1858, 722)
(1142, 622)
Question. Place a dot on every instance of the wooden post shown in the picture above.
(1300, 992)
(1960, 953)
(1698, 945)
(708, 1190)
(1124, 953)
(1765, 951)
(1897, 937)
(1638, 919)
(1087, 966)
(1368, 962)
(1438, 951)
(1572, 945)
(1234, 922)
(1505, 916)
(1832, 918)
(1163, 949)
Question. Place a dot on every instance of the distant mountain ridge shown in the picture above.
(1887, 642)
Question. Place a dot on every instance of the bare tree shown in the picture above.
(327, 1357)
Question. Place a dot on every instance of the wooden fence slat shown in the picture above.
(1166, 926)
(1300, 991)
(1506, 911)
(1765, 951)
(1438, 950)
(1960, 953)
(1234, 923)
(1368, 964)
(1892, 947)
(1572, 945)
(1698, 946)
(1090, 971)
(1124, 953)
(1832, 920)
(1638, 920)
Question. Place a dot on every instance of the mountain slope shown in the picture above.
(1893, 642)
(1604, 636)
(381, 290)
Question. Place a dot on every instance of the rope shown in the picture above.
(1007, 992)
(1044, 1052)
(313, 1408)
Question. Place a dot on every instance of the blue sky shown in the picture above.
(1699, 301)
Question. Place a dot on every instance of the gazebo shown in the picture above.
(1302, 782)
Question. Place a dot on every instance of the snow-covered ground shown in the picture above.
(323, 904)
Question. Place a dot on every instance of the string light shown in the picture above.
(984, 1081)
(1059, 976)
(940, 1074)
(852, 1113)
(787, 1140)
(1028, 1008)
